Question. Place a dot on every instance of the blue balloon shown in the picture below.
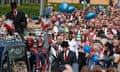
(87, 49)
(70, 9)
(63, 7)
(95, 58)
(90, 15)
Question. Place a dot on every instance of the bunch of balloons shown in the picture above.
(64, 7)
(88, 49)
(95, 58)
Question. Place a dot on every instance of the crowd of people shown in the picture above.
(101, 33)
(69, 34)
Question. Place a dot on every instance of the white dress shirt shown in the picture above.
(73, 46)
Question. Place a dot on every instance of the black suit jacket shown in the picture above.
(70, 59)
(19, 21)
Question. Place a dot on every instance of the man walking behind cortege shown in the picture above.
(66, 56)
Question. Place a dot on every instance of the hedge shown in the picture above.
(33, 9)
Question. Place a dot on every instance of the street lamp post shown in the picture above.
(84, 4)
(41, 7)
(2, 2)
(19, 1)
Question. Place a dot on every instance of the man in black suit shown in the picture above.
(66, 56)
(19, 19)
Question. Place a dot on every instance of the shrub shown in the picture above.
(33, 9)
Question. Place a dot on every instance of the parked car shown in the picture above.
(13, 55)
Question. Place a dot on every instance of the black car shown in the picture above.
(13, 55)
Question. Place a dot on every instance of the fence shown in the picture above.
(20, 1)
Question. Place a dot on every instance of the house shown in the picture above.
(78, 1)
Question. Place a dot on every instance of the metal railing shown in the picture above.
(15, 37)
(20, 1)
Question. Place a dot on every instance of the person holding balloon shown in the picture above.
(93, 56)
(81, 58)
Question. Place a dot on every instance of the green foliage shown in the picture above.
(4, 9)
(33, 9)
(30, 9)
